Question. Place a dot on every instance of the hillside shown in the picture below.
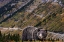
(46, 15)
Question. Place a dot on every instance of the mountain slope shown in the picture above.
(46, 15)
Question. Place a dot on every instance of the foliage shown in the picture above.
(9, 37)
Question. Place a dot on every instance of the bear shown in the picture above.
(33, 33)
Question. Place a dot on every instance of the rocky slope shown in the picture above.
(49, 15)
(55, 36)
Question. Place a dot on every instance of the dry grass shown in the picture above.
(39, 41)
